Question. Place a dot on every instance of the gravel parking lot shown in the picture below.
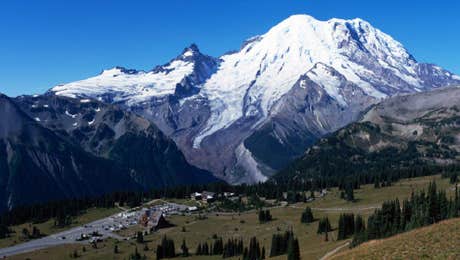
(103, 227)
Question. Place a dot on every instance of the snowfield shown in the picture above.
(300, 80)
(267, 67)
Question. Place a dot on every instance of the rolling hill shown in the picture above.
(438, 241)
(400, 132)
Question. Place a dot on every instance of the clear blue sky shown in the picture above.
(44, 43)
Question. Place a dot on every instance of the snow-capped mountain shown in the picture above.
(248, 113)
(119, 84)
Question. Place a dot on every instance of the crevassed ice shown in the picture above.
(268, 67)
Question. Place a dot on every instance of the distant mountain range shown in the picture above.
(401, 132)
(247, 114)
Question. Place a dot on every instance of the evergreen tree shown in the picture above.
(199, 250)
(35, 232)
(264, 216)
(184, 249)
(433, 206)
(421, 209)
(359, 224)
(166, 249)
(453, 178)
(293, 249)
(136, 255)
(324, 225)
(218, 247)
(253, 252)
(5, 231)
(346, 226)
(307, 216)
(279, 243)
(349, 193)
(140, 237)
(376, 183)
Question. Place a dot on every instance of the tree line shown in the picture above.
(421, 209)
(275, 188)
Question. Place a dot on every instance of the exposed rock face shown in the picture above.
(248, 113)
(37, 165)
(400, 132)
(109, 132)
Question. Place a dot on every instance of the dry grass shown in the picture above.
(246, 225)
(438, 241)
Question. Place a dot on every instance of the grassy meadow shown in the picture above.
(246, 225)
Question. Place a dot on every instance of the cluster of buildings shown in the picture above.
(208, 197)
(154, 218)
(205, 196)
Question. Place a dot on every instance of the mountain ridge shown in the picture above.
(211, 106)
(36, 165)
(401, 132)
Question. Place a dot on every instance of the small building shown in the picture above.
(153, 220)
(205, 196)
(196, 196)
(193, 208)
(229, 194)
(208, 196)
(158, 221)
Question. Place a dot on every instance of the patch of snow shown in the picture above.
(135, 88)
(323, 76)
(188, 53)
(85, 100)
(91, 122)
(75, 124)
(45, 106)
(37, 119)
(98, 109)
(69, 114)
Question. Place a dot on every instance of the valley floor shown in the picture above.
(245, 225)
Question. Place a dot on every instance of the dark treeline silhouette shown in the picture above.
(214, 248)
(346, 226)
(232, 248)
(295, 188)
(166, 249)
(253, 252)
(279, 245)
(421, 209)
(285, 243)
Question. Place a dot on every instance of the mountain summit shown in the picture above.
(281, 91)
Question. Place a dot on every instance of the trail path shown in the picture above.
(332, 252)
